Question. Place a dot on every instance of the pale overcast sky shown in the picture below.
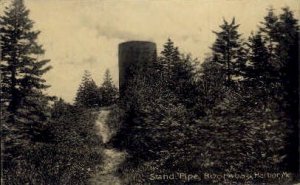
(83, 35)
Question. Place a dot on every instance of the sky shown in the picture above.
(83, 35)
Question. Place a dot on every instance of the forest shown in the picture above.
(235, 114)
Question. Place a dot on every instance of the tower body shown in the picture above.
(132, 55)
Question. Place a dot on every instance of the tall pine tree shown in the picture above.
(270, 35)
(22, 83)
(87, 93)
(169, 56)
(275, 62)
(178, 72)
(288, 54)
(211, 87)
(108, 90)
(258, 73)
(226, 48)
(24, 105)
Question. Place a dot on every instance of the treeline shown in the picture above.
(91, 96)
(235, 113)
(43, 139)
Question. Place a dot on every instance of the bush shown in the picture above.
(71, 155)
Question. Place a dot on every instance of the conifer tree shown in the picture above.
(22, 83)
(178, 72)
(280, 40)
(24, 105)
(108, 90)
(226, 47)
(270, 35)
(280, 34)
(288, 54)
(211, 87)
(259, 71)
(87, 93)
(19, 54)
(269, 31)
(169, 56)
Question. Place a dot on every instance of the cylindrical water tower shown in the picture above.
(133, 53)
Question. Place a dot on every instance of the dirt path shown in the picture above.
(112, 157)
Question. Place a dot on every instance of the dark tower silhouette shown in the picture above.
(133, 54)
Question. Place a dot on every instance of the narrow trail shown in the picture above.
(112, 157)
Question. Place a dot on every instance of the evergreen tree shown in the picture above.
(269, 31)
(23, 102)
(288, 49)
(169, 56)
(178, 72)
(108, 90)
(288, 54)
(87, 93)
(259, 70)
(183, 78)
(274, 72)
(21, 70)
(225, 49)
(270, 34)
(21, 79)
(211, 87)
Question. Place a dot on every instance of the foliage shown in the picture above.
(235, 118)
(210, 86)
(76, 149)
(156, 125)
(178, 72)
(40, 145)
(87, 93)
(22, 84)
(91, 96)
(24, 105)
(108, 91)
(21, 70)
(239, 138)
(237, 114)
(115, 119)
(282, 35)
(227, 49)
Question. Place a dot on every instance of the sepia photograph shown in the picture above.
(149, 92)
